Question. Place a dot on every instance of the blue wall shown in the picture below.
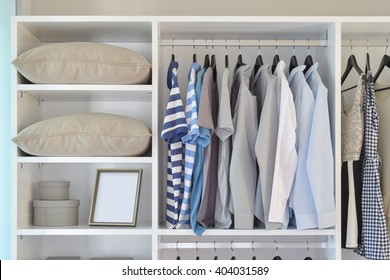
(6, 10)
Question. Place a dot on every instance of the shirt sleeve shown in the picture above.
(320, 162)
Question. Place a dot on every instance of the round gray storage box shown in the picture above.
(53, 190)
(50, 213)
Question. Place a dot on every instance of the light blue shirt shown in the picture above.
(301, 198)
(197, 176)
(320, 153)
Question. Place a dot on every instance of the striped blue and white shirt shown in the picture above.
(189, 141)
(174, 128)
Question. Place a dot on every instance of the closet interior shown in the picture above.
(326, 40)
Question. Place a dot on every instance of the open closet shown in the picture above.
(227, 41)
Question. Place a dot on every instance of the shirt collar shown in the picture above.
(280, 66)
(309, 71)
(257, 74)
(295, 70)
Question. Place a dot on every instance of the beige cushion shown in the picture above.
(92, 134)
(83, 63)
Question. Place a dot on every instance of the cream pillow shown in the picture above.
(91, 134)
(83, 63)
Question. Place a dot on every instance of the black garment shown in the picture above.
(358, 181)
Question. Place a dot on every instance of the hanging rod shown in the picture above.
(236, 43)
(365, 43)
(244, 245)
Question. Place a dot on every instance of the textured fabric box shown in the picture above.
(53, 190)
(53, 213)
(83, 63)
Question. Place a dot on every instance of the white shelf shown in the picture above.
(86, 93)
(85, 230)
(253, 232)
(32, 159)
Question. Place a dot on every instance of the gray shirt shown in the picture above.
(208, 118)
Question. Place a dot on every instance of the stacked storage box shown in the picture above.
(54, 208)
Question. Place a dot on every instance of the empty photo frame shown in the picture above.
(115, 197)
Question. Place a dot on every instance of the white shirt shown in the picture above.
(301, 198)
(286, 154)
(243, 173)
(320, 153)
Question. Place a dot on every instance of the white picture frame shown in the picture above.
(115, 197)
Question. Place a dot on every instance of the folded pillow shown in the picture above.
(83, 63)
(91, 134)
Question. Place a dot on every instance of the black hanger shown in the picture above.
(385, 62)
(253, 250)
(177, 249)
(293, 60)
(352, 63)
(293, 63)
(368, 67)
(275, 62)
(226, 61)
(214, 67)
(206, 63)
(308, 62)
(259, 61)
(194, 58)
(239, 61)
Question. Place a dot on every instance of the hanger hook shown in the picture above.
(308, 46)
(196, 246)
(368, 45)
(387, 45)
(193, 43)
(259, 49)
(215, 249)
(276, 244)
(231, 245)
(350, 43)
(205, 43)
(276, 46)
(307, 246)
(173, 46)
(177, 246)
(253, 249)
(239, 46)
(293, 46)
(212, 43)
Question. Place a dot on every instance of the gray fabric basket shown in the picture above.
(53, 190)
(51, 213)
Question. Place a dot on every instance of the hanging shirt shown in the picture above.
(375, 240)
(189, 141)
(265, 147)
(243, 173)
(255, 87)
(197, 176)
(208, 118)
(301, 198)
(286, 154)
(174, 128)
(320, 159)
(224, 130)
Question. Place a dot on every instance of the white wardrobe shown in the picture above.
(157, 38)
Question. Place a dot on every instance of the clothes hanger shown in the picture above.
(308, 60)
(277, 257)
(253, 250)
(177, 249)
(385, 62)
(239, 58)
(259, 60)
(213, 61)
(293, 60)
(308, 258)
(215, 251)
(368, 67)
(206, 63)
(276, 57)
(194, 55)
(197, 257)
(173, 51)
(351, 63)
(231, 248)
(226, 56)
